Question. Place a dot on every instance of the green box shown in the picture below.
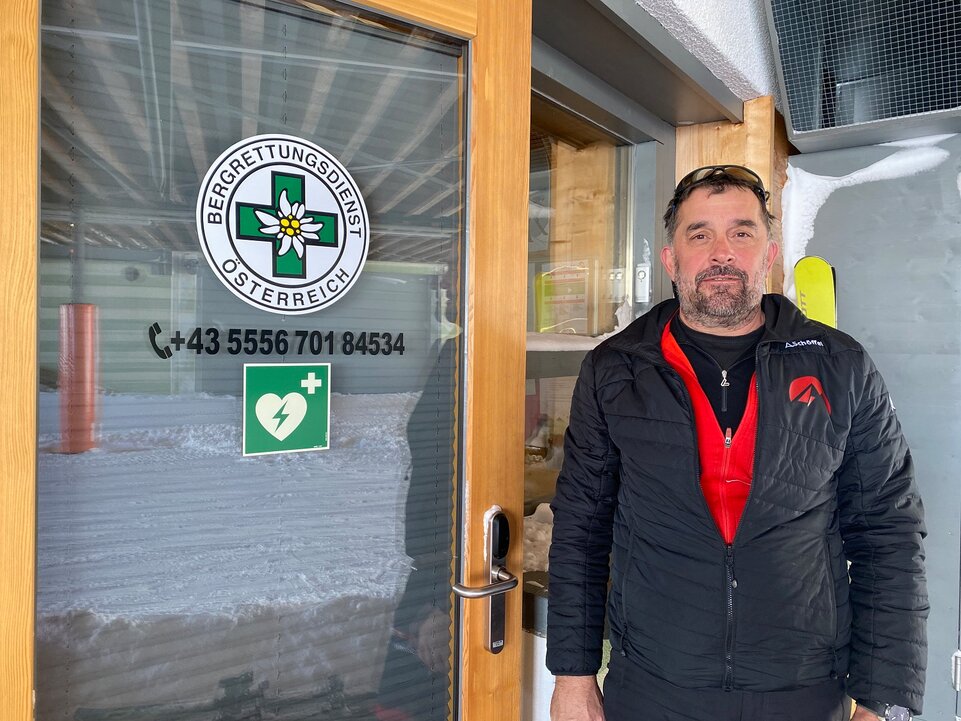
(286, 408)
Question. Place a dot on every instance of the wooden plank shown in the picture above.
(782, 148)
(583, 223)
(760, 143)
(499, 167)
(19, 87)
(458, 18)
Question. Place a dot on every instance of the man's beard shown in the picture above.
(729, 305)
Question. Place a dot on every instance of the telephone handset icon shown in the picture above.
(153, 331)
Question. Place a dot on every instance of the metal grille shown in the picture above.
(847, 62)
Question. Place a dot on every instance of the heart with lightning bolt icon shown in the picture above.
(286, 408)
(281, 416)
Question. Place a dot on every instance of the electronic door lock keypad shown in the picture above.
(498, 535)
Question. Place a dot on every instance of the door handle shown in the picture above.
(498, 535)
(505, 581)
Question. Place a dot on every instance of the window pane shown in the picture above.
(579, 290)
(178, 578)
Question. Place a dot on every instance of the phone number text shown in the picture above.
(252, 341)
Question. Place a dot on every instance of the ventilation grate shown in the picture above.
(848, 62)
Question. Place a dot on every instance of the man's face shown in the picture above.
(719, 259)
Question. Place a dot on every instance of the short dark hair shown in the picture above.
(717, 181)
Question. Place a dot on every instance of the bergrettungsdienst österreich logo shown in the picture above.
(282, 224)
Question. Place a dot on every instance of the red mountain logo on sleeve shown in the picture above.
(806, 390)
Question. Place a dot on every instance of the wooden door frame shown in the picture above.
(19, 201)
(499, 160)
(499, 32)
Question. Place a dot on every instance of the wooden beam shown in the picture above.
(19, 117)
(759, 143)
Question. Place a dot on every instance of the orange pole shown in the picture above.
(78, 376)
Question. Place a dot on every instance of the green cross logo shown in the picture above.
(295, 196)
(288, 224)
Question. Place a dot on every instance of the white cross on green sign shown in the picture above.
(286, 408)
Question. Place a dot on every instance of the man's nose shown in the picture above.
(722, 252)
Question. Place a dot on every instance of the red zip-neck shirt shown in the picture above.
(726, 458)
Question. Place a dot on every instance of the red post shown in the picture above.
(78, 377)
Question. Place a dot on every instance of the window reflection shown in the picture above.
(178, 579)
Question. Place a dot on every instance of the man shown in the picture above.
(726, 459)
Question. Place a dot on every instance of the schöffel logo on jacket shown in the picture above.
(806, 390)
(802, 343)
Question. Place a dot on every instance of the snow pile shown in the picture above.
(168, 562)
(537, 538)
(89, 661)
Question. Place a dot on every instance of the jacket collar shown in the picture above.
(783, 322)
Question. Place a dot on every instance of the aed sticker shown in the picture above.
(286, 408)
(282, 224)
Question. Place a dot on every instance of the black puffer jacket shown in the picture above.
(833, 482)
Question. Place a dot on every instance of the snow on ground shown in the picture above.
(168, 561)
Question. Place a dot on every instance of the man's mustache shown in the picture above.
(717, 270)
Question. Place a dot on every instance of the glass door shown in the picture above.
(264, 424)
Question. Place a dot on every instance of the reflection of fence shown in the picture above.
(240, 702)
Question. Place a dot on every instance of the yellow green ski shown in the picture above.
(815, 283)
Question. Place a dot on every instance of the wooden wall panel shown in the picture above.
(583, 222)
(497, 237)
(760, 143)
(19, 88)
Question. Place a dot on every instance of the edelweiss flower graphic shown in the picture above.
(290, 226)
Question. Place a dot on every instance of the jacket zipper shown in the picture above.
(729, 558)
(731, 583)
(725, 467)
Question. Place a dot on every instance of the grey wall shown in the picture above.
(889, 219)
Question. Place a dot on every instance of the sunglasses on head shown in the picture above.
(712, 173)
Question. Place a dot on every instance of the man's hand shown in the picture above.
(863, 714)
(577, 698)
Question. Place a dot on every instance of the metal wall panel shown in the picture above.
(886, 218)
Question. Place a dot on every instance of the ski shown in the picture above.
(815, 283)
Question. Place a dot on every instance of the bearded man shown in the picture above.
(738, 495)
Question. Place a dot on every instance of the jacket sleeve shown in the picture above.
(581, 546)
(882, 526)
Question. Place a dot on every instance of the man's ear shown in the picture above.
(772, 251)
(667, 260)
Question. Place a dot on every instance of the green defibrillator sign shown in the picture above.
(286, 407)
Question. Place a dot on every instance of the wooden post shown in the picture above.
(759, 143)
